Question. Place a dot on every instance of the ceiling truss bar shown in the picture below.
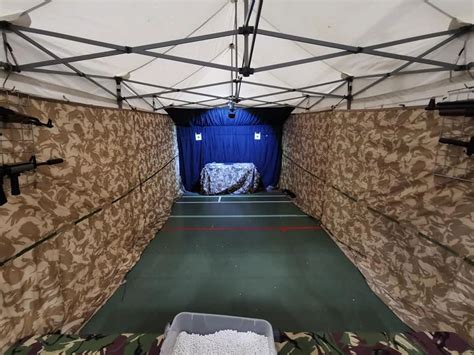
(354, 50)
(193, 39)
(117, 49)
(186, 60)
(77, 58)
(200, 94)
(410, 59)
(279, 102)
(206, 85)
(187, 104)
(14, 28)
(317, 42)
(208, 100)
(136, 93)
(47, 51)
(302, 90)
(322, 98)
(285, 90)
(278, 93)
(266, 102)
(187, 101)
(400, 68)
(144, 50)
(321, 84)
(60, 72)
(414, 39)
(406, 72)
(302, 61)
(170, 89)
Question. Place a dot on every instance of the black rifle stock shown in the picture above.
(10, 116)
(14, 170)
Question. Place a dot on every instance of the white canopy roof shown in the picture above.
(353, 23)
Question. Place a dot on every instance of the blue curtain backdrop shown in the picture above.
(226, 140)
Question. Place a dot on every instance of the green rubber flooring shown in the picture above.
(257, 259)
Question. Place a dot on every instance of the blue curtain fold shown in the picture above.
(226, 140)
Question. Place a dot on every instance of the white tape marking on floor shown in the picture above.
(202, 202)
(240, 216)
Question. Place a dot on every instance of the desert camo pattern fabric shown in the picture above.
(237, 178)
(368, 175)
(68, 240)
(302, 343)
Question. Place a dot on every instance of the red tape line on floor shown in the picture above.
(242, 229)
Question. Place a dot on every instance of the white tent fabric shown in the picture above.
(351, 22)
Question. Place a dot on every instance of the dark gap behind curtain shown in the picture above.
(226, 140)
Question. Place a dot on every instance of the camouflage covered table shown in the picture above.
(238, 178)
(290, 343)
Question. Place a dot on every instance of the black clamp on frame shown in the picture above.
(246, 71)
(4, 25)
(245, 30)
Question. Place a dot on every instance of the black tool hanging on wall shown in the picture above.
(459, 143)
(10, 116)
(461, 108)
(13, 171)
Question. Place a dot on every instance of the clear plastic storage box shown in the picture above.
(203, 324)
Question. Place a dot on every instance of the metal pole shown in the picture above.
(349, 92)
(118, 89)
(136, 93)
(400, 68)
(254, 36)
(286, 89)
(366, 50)
(187, 103)
(47, 51)
(246, 35)
(322, 98)
(171, 90)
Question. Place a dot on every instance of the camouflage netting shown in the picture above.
(68, 240)
(369, 176)
(289, 344)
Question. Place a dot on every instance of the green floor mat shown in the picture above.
(285, 270)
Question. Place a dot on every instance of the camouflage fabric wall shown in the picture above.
(67, 241)
(413, 343)
(369, 176)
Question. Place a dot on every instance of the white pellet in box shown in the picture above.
(223, 342)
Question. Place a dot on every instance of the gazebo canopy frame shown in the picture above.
(250, 33)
